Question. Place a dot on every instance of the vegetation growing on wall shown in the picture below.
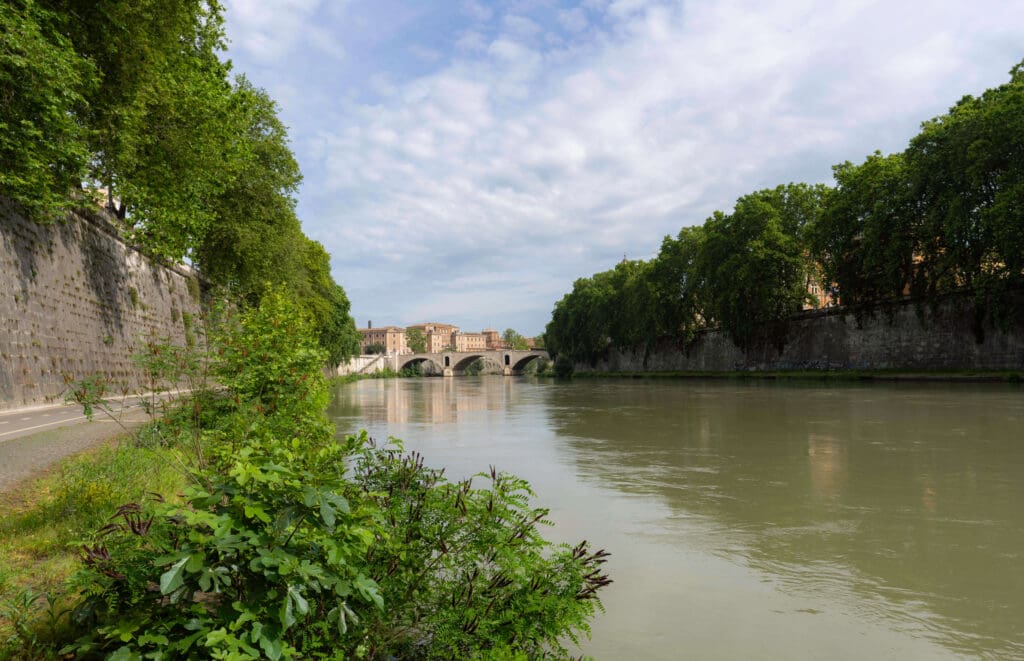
(944, 216)
(133, 98)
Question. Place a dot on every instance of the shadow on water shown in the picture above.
(905, 496)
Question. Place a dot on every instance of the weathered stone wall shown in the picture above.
(831, 339)
(75, 300)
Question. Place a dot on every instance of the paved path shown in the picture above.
(28, 421)
(32, 440)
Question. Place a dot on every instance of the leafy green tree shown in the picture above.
(326, 302)
(43, 85)
(376, 347)
(256, 231)
(677, 284)
(967, 174)
(755, 262)
(416, 340)
(185, 155)
(580, 327)
(140, 48)
(868, 232)
(513, 340)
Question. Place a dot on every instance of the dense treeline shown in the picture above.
(945, 215)
(132, 97)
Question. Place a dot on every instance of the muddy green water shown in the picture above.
(755, 521)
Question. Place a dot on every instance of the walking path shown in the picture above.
(32, 440)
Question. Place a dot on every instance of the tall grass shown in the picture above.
(44, 523)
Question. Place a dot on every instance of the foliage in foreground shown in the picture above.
(290, 544)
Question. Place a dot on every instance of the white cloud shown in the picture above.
(573, 20)
(267, 30)
(478, 192)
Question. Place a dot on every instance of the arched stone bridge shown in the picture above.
(454, 363)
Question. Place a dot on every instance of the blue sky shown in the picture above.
(465, 161)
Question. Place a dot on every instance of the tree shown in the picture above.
(579, 329)
(755, 263)
(43, 84)
(514, 340)
(326, 302)
(967, 177)
(256, 230)
(144, 51)
(416, 340)
(376, 347)
(677, 284)
(867, 235)
(186, 154)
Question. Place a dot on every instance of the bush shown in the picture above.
(290, 544)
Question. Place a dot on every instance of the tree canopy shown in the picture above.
(942, 218)
(133, 97)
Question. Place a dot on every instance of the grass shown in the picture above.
(45, 521)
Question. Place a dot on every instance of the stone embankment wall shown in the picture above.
(75, 300)
(833, 339)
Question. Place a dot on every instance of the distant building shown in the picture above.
(493, 340)
(439, 336)
(469, 342)
(819, 296)
(392, 338)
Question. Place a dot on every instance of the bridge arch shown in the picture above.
(465, 362)
(416, 359)
(521, 364)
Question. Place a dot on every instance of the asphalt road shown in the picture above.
(33, 440)
(14, 424)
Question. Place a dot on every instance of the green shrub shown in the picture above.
(465, 572)
(291, 544)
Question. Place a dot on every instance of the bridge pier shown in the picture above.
(448, 372)
(506, 371)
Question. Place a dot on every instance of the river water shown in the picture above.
(755, 520)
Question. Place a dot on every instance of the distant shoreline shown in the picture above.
(968, 376)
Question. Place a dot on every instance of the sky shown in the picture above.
(465, 161)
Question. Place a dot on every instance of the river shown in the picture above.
(755, 520)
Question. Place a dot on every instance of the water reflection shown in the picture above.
(756, 520)
(401, 401)
(904, 497)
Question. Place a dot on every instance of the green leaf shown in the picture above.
(172, 579)
(369, 590)
(293, 603)
(125, 654)
(338, 501)
(272, 647)
(327, 514)
(195, 563)
(150, 639)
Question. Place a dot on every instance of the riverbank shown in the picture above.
(968, 376)
(46, 515)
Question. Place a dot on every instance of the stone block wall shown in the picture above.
(833, 339)
(75, 300)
